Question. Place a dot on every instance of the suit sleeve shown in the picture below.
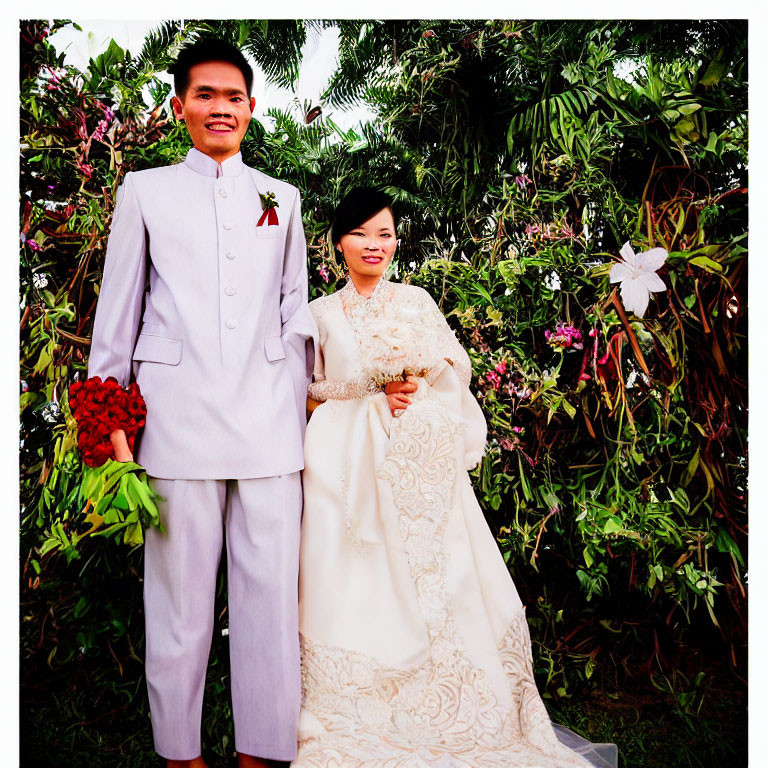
(299, 331)
(118, 311)
(108, 400)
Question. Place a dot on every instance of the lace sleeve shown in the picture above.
(447, 346)
(350, 389)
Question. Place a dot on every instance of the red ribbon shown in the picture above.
(270, 215)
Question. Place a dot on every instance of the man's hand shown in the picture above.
(397, 394)
(120, 444)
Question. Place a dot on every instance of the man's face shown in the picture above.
(215, 108)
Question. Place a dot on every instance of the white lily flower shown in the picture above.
(637, 274)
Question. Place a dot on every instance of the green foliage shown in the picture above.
(521, 156)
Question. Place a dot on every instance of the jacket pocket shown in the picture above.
(157, 349)
(273, 348)
(268, 231)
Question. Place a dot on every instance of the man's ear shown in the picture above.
(253, 104)
(178, 108)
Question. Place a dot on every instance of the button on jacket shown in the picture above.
(221, 342)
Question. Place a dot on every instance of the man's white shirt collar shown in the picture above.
(201, 163)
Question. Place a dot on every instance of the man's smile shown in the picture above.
(219, 126)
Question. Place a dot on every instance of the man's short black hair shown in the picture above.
(359, 205)
(203, 50)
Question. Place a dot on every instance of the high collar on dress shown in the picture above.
(351, 297)
(200, 163)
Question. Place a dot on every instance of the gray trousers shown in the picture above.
(260, 519)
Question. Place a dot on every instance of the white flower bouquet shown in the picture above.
(397, 352)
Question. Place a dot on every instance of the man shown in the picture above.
(220, 347)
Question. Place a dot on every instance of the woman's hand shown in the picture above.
(397, 394)
(120, 444)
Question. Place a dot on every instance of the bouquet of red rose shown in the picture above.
(86, 492)
(100, 408)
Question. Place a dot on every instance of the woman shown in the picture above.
(415, 646)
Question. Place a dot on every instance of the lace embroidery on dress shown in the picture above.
(533, 721)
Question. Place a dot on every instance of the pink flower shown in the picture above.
(531, 229)
(518, 430)
(98, 134)
(501, 368)
(85, 168)
(564, 337)
(521, 180)
(323, 272)
(494, 378)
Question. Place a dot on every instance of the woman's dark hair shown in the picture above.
(357, 206)
(204, 50)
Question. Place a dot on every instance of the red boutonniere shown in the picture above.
(268, 205)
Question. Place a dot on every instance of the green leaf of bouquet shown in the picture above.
(134, 535)
(127, 485)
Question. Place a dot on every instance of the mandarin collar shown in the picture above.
(201, 163)
(350, 295)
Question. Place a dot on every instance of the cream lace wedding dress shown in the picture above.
(415, 646)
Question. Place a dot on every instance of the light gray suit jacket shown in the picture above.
(221, 342)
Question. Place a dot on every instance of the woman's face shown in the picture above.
(368, 249)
